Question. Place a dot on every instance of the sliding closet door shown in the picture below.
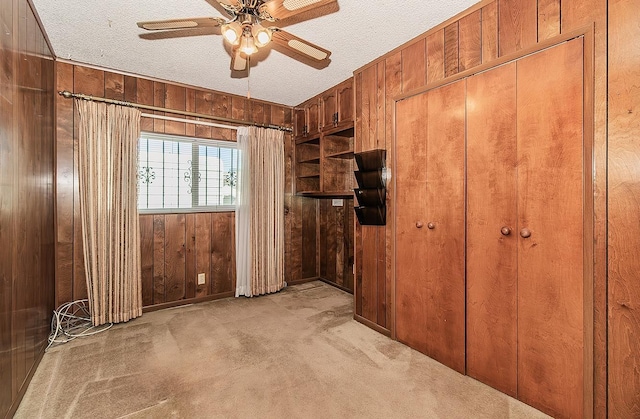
(491, 229)
(550, 229)
(412, 294)
(446, 225)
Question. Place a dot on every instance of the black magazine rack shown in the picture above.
(371, 192)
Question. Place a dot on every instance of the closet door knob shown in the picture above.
(525, 233)
(505, 231)
(419, 224)
(431, 226)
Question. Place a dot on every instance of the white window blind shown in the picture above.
(182, 174)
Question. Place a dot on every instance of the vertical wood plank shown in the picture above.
(204, 105)
(624, 196)
(158, 260)
(296, 237)
(159, 98)
(393, 88)
(309, 248)
(223, 264)
(517, 25)
(144, 96)
(174, 257)
(190, 256)
(190, 129)
(490, 32)
(435, 56)
(203, 252)
(470, 28)
(130, 88)
(175, 98)
(414, 61)
(146, 258)
(548, 19)
(369, 121)
(113, 86)
(221, 107)
(451, 50)
(65, 182)
(369, 286)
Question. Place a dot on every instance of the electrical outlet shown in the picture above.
(201, 279)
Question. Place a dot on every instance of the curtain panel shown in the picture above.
(108, 167)
(260, 212)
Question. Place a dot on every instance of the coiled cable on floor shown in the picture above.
(73, 320)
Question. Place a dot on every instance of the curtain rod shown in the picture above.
(188, 121)
(68, 95)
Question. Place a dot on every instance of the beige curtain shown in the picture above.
(260, 212)
(107, 162)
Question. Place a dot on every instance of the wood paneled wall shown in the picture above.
(624, 209)
(336, 243)
(483, 33)
(26, 199)
(175, 247)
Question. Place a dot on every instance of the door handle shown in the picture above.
(525, 233)
(431, 226)
(505, 231)
(419, 224)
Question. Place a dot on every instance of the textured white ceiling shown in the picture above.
(104, 33)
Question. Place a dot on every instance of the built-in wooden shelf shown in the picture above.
(311, 160)
(308, 176)
(341, 155)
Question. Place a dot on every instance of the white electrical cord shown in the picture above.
(73, 320)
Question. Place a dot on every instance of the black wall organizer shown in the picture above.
(371, 192)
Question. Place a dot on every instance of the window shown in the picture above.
(181, 174)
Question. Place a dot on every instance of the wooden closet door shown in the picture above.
(550, 205)
(491, 229)
(446, 225)
(412, 294)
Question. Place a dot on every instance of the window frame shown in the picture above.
(193, 140)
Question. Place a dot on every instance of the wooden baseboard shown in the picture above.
(178, 303)
(333, 284)
(25, 384)
(302, 281)
(372, 325)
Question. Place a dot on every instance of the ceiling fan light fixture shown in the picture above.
(232, 32)
(248, 45)
(261, 35)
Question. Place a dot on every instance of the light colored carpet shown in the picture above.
(296, 354)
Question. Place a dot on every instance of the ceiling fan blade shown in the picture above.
(198, 22)
(299, 45)
(282, 9)
(239, 61)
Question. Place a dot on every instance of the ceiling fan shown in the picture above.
(245, 31)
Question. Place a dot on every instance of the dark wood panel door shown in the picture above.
(551, 177)
(344, 93)
(412, 293)
(300, 116)
(329, 109)
(491, 229)
(446, 225)
(313, 117)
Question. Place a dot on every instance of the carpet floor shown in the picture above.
(295, 354)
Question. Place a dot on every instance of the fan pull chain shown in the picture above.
(249, 77)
